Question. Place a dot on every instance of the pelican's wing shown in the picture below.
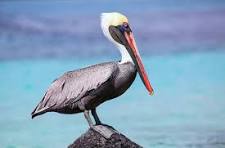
(74, 85)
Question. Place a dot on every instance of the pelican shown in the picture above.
(85, 89)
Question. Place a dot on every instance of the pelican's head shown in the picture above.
(116, 28)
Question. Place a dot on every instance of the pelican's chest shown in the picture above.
(124, 77)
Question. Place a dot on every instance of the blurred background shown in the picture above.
(182, 43)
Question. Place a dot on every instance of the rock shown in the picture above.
(93, 139)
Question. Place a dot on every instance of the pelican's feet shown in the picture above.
(104, 130)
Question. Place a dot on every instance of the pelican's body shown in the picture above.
(84, 89)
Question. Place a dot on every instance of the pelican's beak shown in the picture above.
(137, 60)
(126, 38)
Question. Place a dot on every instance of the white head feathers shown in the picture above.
(115, 19)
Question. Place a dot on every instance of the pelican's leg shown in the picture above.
(101, 129)
(88, 118)
(94, 114)
(97, 120)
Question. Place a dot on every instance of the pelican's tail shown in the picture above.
(37, 111)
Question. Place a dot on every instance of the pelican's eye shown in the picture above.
(125, 27)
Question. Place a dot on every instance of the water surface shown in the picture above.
(187, 109)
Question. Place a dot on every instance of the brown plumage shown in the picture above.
(84, 89)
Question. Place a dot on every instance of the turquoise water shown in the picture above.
(187, 110)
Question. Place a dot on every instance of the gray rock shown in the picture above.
(92, 139)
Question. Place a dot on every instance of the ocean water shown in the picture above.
(187, 110)
(63, 29)
(183, 44)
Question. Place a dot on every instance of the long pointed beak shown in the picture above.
(138, 62)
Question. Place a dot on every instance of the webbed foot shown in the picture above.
(105, 131)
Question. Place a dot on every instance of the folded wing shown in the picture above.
(73, 85)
